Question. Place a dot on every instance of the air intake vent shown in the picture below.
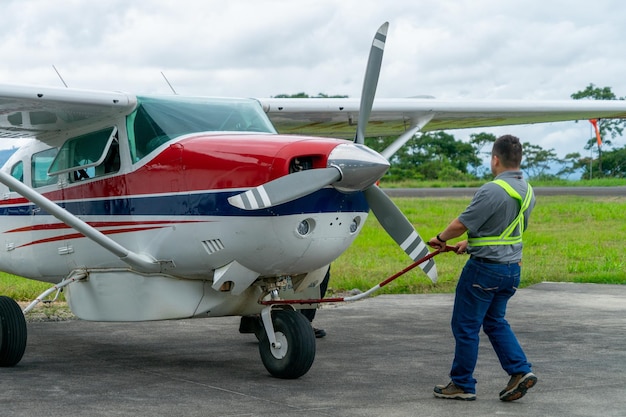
(213, 245)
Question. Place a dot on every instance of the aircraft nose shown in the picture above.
(360, 166)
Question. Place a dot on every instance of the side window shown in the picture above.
(87, 156)
(17, 171)
(40, 162)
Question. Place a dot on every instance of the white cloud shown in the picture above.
(534, 49)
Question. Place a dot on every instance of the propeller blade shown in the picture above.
(400, 229)
(285, 189)
(370, 82)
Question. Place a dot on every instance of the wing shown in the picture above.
(392, 117)
(40, 112)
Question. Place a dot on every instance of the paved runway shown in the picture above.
(382, 356)
(617, 191)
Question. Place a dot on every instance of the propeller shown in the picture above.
(388, 214)
(351, 167)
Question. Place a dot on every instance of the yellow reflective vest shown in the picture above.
(507, 237)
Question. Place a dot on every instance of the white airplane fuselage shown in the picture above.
(171, 206)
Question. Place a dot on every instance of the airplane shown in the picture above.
(159, 207)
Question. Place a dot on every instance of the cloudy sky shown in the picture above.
(532, 49)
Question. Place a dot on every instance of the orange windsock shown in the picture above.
(594, 122)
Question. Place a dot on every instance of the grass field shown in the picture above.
(570, 239)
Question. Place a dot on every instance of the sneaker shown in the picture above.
(452, 392)
(319, 333)
(517, 386)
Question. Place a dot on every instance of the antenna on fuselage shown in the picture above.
(168, 83)
(59, 74)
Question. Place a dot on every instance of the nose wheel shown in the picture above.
(288, 352)
(12, 332)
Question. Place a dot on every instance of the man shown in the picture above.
(495, 221)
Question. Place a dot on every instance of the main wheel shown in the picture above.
(12, 332)
(296, 353)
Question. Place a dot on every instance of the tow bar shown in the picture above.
(363, 294)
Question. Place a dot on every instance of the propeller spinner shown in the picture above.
(351, 167)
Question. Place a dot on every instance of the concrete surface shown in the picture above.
(618, 191)
(382, 357)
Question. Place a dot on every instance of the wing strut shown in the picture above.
(404, 138)
(141, 263)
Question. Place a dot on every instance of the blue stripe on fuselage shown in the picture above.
(200, 204)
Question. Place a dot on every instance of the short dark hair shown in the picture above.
(509, 149)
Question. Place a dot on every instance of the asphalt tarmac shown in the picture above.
(381, 357)
(618, 191)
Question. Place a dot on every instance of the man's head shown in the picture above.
(506, 154)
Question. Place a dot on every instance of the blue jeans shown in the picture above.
(482, 293)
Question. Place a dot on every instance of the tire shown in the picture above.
(13, 333)
(297, 351)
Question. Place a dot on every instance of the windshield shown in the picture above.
(158, 120)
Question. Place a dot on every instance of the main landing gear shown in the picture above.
(13, 332)
(286, 343)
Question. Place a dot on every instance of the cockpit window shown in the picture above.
(17, 171)
(84, 151)
(158, 120)
(40, 162)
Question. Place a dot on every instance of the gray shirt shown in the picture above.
(491, 211)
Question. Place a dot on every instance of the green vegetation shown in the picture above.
(19, 288)
(570, 239)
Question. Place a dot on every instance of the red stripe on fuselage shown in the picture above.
(58, 226)
(204, 162)
(80, 235)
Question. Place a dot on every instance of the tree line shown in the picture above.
(440, 156)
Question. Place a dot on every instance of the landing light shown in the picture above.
(305, 227)
(355, 224)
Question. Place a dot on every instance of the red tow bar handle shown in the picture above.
(366, 293)
(446, 248)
